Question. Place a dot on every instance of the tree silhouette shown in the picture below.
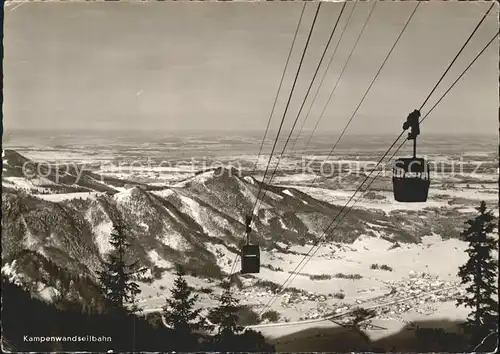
(225, 316)
(181, 315)
(480, 274)
(26, 315)
(117, 275)
(252, 341)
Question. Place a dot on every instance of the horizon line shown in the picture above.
(240, 131)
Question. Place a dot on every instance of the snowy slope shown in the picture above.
(199, 223)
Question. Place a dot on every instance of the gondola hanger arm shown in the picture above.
(248, 228)
(412, 123)
(248, 221)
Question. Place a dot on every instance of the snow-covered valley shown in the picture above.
(401, 259)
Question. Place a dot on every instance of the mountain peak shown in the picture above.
(13, 158)
(207, 176)
(129, 193)
(219, 172)
(231, 171)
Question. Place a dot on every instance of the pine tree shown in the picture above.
(480, 274)
(230, 336)
(72, 294)
(179, 312)
(117, 275)
(226, 314)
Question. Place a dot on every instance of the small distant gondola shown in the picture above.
(250, 254)
(411, 176)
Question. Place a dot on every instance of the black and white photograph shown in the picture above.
(250, 176)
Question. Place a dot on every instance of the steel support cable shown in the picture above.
(275, 101)
(324, 76)
(435, 86)
(283, 118)
(338, 79)
(426, 115)
(279, 88)
(295, 273)
(341, 73)
(440, 99)
(256, 208)
(287, 105)
(368, 89)
(374, 79)
(458, 54)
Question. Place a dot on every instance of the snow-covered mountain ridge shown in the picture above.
(198, 222)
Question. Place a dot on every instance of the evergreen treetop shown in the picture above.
(117, 276)
(226, 314)
(179, 311)
(480, 274)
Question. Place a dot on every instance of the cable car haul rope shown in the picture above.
(251, 253)
(250, 261)
(248, 254)
(411, 175)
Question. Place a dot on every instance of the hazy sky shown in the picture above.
(181, 65)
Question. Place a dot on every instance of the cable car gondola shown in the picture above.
(250, 254)
(411, 177)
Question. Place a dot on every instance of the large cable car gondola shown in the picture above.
(250, 254)
(411, 177)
